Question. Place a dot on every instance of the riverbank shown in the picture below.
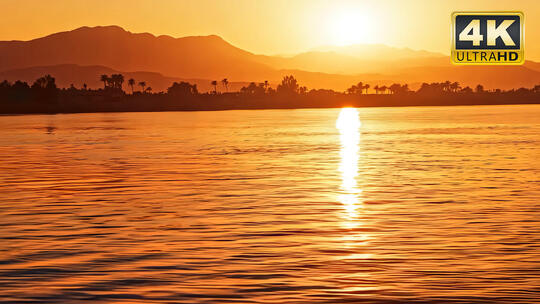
(234, 101)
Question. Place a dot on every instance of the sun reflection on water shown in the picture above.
(349, 125)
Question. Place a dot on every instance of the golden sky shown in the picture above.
(267, 27)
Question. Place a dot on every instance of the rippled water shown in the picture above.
(434, 204)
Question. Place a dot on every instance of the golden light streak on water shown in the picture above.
(349, 125)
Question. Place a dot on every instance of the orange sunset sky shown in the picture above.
(266, 27)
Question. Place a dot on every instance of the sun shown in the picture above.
(349, 27)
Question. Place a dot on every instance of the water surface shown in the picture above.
(383, 205)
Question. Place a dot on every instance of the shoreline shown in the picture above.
(261, 108)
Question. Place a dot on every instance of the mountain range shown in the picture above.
(82, 55)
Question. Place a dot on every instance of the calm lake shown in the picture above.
(375, 205)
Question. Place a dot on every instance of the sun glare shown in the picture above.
(351, 27)
(349, 125)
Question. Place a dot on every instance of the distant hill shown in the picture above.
(77, 56)
(338, 63)
(68, 74)
(504, 77)
(204, 57)
(535, 66)
(378, 51)
(361, 58)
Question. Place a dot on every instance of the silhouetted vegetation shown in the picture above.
(182, 89)
(113, 82)
(214, 83)
(131, 83)
(225, 83)
(142, 84)
(43, 96)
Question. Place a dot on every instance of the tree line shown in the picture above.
(20, 96)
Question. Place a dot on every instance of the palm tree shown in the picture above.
(142, 84)
(119, 80)
(266, 84)
(447, 86)
(383, 89)
(366, 87)
(45, 82)
(352, 90)
(131, 83)
(115, 81)
(454, 86)
(376, 89)
(214, 83)
(105, 80)
(225, 82)
(360, 87)
(148, 90)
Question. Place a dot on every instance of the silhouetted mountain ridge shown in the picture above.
(111, 46)
(210, 57)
